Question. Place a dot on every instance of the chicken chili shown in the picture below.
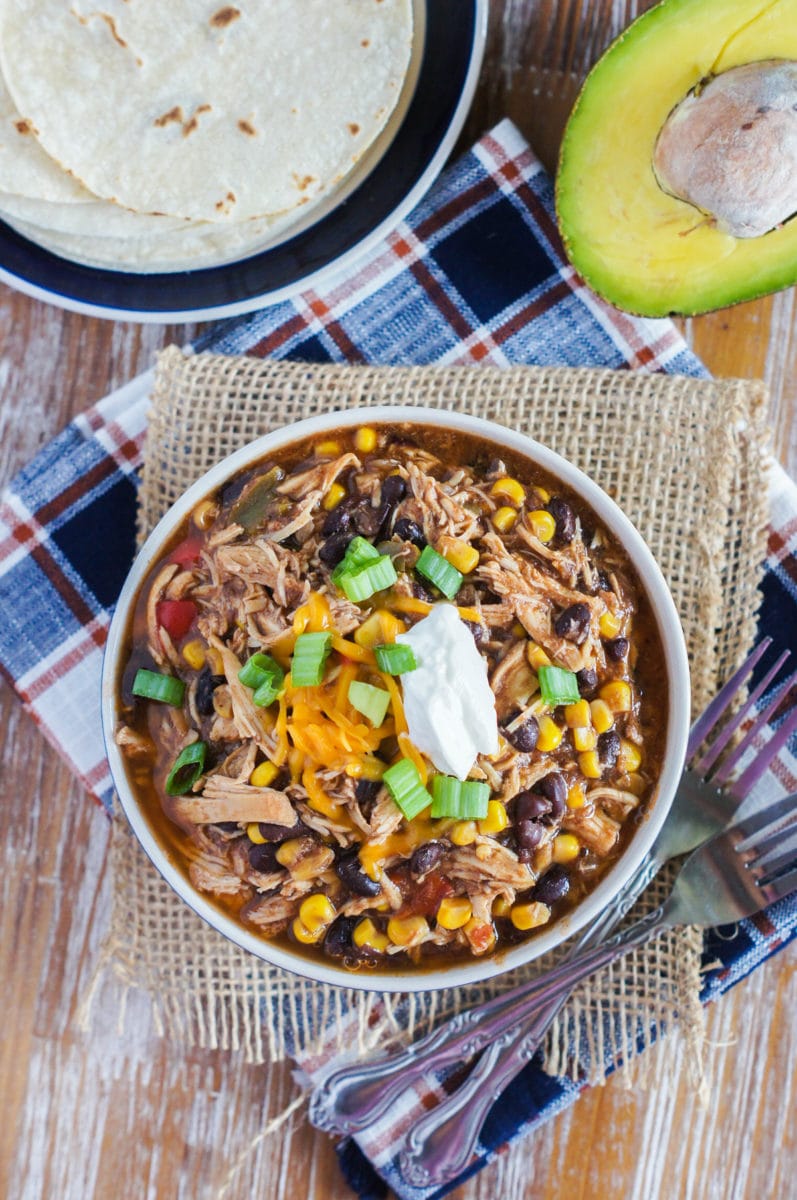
(394, 698)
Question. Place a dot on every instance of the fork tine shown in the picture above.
(726, 769)
(776, 866)
(709, 718)
(742, 786)
(778, 888)
(719, 744)
(772, 840)
(773, 813)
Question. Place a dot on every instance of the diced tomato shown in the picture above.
(176, 617)
(187, 552)
(424, 898)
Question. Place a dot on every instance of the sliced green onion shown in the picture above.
(404, 784)
(464, 799)
(188, 766)
(265, 676)
(257, 669)
(374, 577)
(358, 554)
(439, 571)
(154, 686)
(371, 701)
(309, 656)
(395, 659)
(557, 685)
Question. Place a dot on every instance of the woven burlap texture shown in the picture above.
(684, 458)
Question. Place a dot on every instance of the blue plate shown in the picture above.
(452, 33)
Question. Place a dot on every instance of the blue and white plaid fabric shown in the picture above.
(474, 275)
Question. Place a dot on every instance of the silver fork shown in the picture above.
(355, 1096)
(441, 1144)
(731, 876)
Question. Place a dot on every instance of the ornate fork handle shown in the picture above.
(441, 1144)
(355, 1096)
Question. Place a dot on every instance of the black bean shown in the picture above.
(350, 873)
(228, 826)
(263, 858)
(479, 632)
(409, 531)
(600, 582)
(393, 489)
(608, 747)
(334, 548)
(564, 517)
(367, 519)
(426, 857)
(554, 885)
(529, 806)
(587, 680)
(366, 791)
(336, 521)
(421, 593)
(338, 940)
(205, 687)
(524, 737)
(573, 623)
(617, 649)
(554, 787)
(282, 833)
(529, 834)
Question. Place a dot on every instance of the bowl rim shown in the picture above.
(676, 665)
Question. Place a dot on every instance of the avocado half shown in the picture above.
(637, 246)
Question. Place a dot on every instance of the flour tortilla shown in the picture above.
(93, 218)
(26, 170)
(200, 244)
(201, 110)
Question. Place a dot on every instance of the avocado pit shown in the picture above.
(729, 148)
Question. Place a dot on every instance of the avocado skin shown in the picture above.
(640, 249)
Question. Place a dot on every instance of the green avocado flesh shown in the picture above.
(641, 249)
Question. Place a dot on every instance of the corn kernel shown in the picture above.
(578, 715)
(194, 654)
(370, 632)
(609, 624)
(328, 449)
(585, 738)
(454, 912)
(529, 916)
(365, 440)
(634, 783)
(543, 493)
(504, 519)
(630, 756)
(264, 775)
(576, 796)
(406, 931)
(541, 524)
(501, 906)
(496, 820)
(367, 935)
(565, 848)
(550, 735)
(461, 555)
(509, 489)
(222, 704)
(602, 715)
(334, 496)
(254, 834)
(537, 656)
(617, 694)
(289, 852)
(205, 514)
(590, 764)
(463, 833)
(308, 936)
(316, 912)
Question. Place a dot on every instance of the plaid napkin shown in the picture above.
(474, 275)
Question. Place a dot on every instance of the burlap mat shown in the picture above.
(684, 458)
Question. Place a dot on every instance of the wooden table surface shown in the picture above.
(121, 1113)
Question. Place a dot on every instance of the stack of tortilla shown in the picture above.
(150, 136)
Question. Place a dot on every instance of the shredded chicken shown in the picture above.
(247, 716)
(211, 873)
(595, 829)
(224, 799)
(499, 866)
(271, 914)
(269, 564)
(385, 816)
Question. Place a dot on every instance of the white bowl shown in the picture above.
(459, 973)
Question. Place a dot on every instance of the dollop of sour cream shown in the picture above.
(448, 702)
